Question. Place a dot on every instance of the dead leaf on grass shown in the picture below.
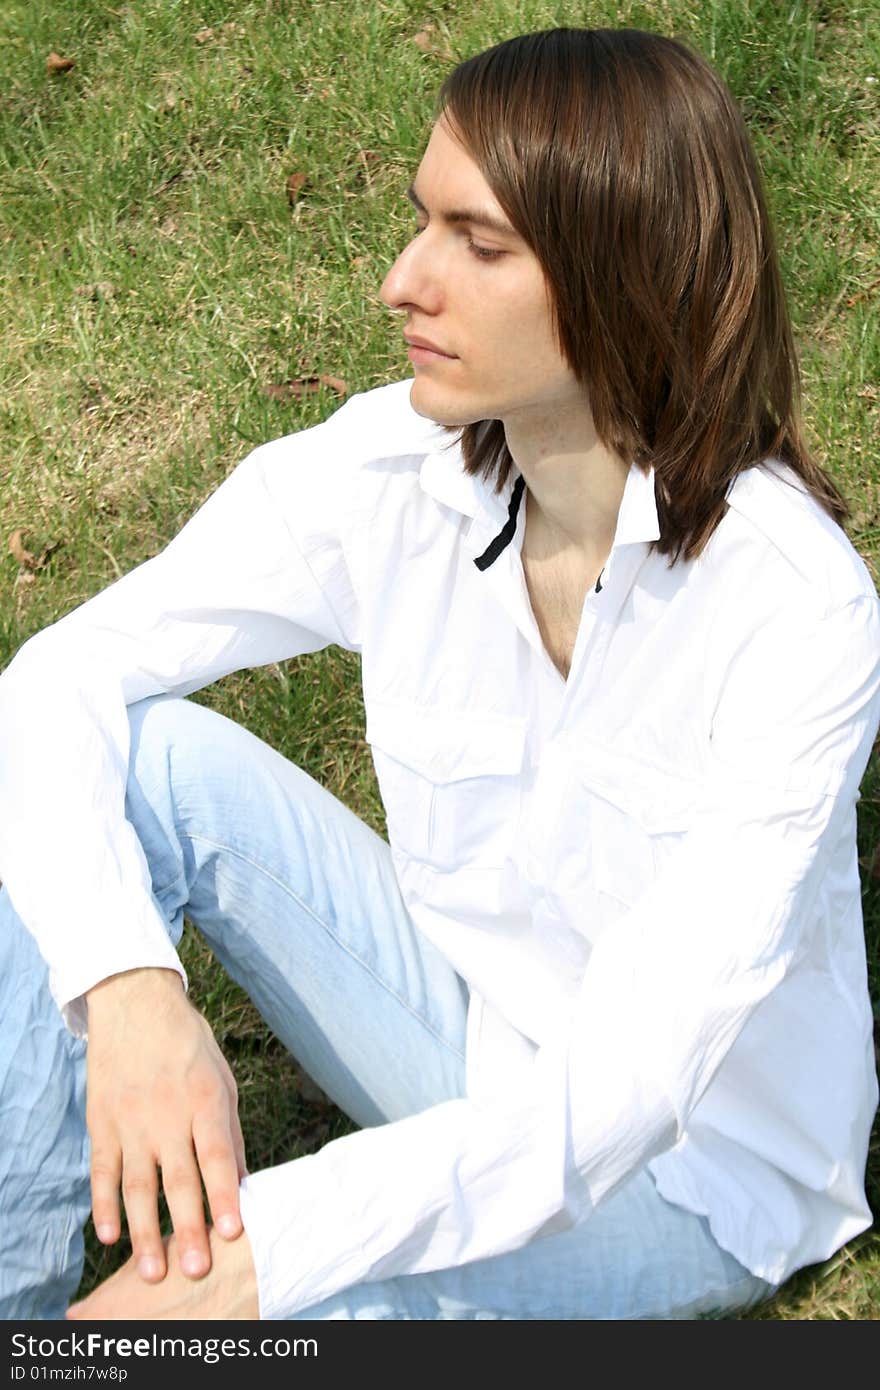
(55, 63)
(203, 35)
(26, 558)
(431, 41)
(294, 186)
(305, 386)
(19, 553)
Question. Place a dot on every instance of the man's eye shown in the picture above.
(484, 253)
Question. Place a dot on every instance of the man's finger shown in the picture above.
(183, 1193)
(220, 1152)
(235, 1130)
(140, 1192)
(106, 1173)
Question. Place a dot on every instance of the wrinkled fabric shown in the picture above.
(44, 1152)
(299, 901)
(646, 874)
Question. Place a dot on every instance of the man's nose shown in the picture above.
(412, 281)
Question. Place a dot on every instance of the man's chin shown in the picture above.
(440, 412)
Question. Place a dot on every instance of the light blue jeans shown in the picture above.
(298, 899)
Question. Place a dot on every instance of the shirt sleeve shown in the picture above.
(259, 574)
(664, 996)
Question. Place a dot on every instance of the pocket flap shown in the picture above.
(657, 799)
(447, 746)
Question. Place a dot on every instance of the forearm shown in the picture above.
(70, 860)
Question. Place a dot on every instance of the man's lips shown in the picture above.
(423, 345)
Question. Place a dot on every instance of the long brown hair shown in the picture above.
(623, 161)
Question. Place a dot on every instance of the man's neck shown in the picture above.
(575, 485)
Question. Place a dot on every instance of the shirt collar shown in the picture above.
(637, 519)
(442, 476)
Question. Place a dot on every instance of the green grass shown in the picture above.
(154, 279)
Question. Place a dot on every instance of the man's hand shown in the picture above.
(228, 1292)
(160, 1095)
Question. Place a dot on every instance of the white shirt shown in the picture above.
(646, 874)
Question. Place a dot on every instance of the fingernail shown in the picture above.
(193, 1262)
(150, 1267)
(106, 1234)
(228, 1225)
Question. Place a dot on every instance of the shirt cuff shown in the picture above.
(295, 1219)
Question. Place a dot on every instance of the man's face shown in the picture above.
(478, 315)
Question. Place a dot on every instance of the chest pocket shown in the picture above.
(450, 783)
(636, 814)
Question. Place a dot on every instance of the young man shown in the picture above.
(601, 1007)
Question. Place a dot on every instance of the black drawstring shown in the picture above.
(507, 532)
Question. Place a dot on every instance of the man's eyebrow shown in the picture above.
(476, 217)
